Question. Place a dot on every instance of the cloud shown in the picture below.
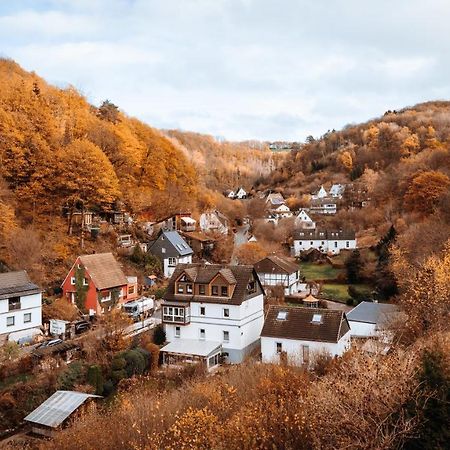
(238, 68)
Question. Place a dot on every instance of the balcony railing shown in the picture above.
(14, 306)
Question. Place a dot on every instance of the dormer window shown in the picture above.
(251, 287)
(215, 290)
(202, 289)
(224, 291)
(189, 288)
(180, 289)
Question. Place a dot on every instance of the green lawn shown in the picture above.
(339, 292)
(315, 272)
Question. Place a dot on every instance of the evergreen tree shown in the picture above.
(159, 336)
(353, 266)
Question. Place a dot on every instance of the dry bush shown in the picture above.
(60, 308)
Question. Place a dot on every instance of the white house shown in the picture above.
(20, 307)
(326, 205)
(281, 212)
(240, 193)
(321, 193)
(304, 221)
(337, 190)
(370, 319)
(295, 334)
(214, 222)
(212, 309)
(277, 271)
(326, 241)
(171, 249)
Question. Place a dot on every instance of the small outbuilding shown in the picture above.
(51, 415)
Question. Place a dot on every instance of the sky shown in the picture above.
(238, 69)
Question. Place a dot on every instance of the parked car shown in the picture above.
(82, 326)
(50, 343)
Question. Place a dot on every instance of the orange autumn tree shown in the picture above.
(425, 190)
(250, 253)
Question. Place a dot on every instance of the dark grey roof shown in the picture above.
(376, 313)
(16, 284)
(276, 264)
(57, 408)
(174, 244)
(297, 323)
(324, 235)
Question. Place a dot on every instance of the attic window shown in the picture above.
(317, 318)
(282, 315)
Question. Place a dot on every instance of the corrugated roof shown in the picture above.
(16, 284)
(369, 312)
(298, 324)
(104, 270)
(57, 408)
(191, 347)
(276, 264)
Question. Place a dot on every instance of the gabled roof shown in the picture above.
(104, 270)
(323, 235)
(275, 198)
(177, 242)
(276, 264)
(376, 313)
(200, 273)
(298, 324)
(57, 408)
(16, 284)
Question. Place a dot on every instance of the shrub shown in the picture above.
(95, 379)
(71, 376)
(159, 336)
(136, 363)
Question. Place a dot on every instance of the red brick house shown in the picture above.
(99, 279)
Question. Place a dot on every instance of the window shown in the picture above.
(177, 332)
(202, 289)
(282, 315)
(13, 303)
(172, 261)
(163, 250)
(202, 333)
(251, 288)
(226, 336)
(312, 242)
(175, 314)
(347, 244)
(131, 289)
(180, 288)
(279, 347)
(85, 282)
(335, 244)
(300, 243)
(27, 318)
(72, 281)
(226, 312)
(10, 321)
(189, 288)
(317, 318)
(202, 310)
(215, 290)
(224, 291)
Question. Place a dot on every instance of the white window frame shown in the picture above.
(177, 332)
(170, 259)
(278, 347)
(72, 281)
(226, 312)
(13, 321)
(203, 310)
(202, 334)
(226, 336)
(26, 315)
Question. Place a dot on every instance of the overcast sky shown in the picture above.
(241, 69)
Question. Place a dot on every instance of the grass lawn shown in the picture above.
(314, 272)
(339, 292)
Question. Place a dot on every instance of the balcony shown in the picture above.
(14, 304)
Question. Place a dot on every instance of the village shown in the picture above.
(204, 294)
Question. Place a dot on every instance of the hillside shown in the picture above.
(58, 151)
(400, 162)
(225, 165)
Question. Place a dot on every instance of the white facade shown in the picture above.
(291, 282)
(237, 327)
(210, 222)
(321, 193)
(337, 190)
(240, 194)
(23, 315)
(281, 212)
(326, 245)
(170, 263)
(362, 329)
(300, 352)
(304, 221)
(323, 207)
